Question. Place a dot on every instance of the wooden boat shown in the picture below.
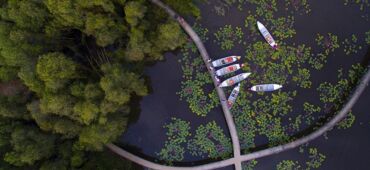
(266, 34)
(233, 80)
(232, 98)
(224, 61)
(228, 69)
(266, 87)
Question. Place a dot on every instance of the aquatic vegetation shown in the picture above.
(211, 141)
(265, 8)
(309, 110)
(177, 132)
(328, 43)
(271, 127)
(283, 27)
(196, 79)
(250, 24)
(288, 165)
(347, 122)
(249, 165)
(361, 3)
(303, 78)
(350, 45)
(276, 65)
(171, 152)
(299, 6)
(223, 6)
(315, 158)
(227, 36)
(246, 127)
(367, 39)
(333, 93)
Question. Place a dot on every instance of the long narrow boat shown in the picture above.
(224, 61)
(233, 80)
(232, 98)
(266, 87)
(266, 34)
(229, 69)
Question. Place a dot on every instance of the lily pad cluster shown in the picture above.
(177, 132)
(227, 36)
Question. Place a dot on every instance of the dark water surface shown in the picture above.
(344, 149)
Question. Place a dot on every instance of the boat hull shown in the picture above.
(228, 69)
(225, 61)
(234, 80)
(232, 98)
(266, 87)
(266, 34)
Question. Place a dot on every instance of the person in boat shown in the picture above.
(275, 47)
(217, 80)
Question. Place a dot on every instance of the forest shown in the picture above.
(69, 71)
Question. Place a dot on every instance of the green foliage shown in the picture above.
(29, 145)
(210, 140)
(288, 165)
(118, 84)
(315, 159)
(186, 7)
(309, 110)
(347, 122)
(249, 165)
(350, 45)
(327, 44)
(283, 27)
(362, 4)
(367, 39)
(55, 69)
(333, 93)
(302, 6)
(135, 11)
(60, 93)
(227, 36)
(177, 132)
(303, 77)
(276, 66)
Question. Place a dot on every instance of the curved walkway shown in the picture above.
(198, 42)
(238, 159)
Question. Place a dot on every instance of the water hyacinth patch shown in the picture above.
(210, 141)
(350, 45)
(227, 36)
(177, 132)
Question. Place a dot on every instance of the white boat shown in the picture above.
(266, 87)
(224, 61)
(228, 69)
(232, 98)
(266, 34)
(233, 80)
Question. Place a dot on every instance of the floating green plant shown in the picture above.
(211, 141)
(227, 36)
(315, 158)
(249, 165)
(361, 3)
(288, 165)
(350, 45)
(177, 132)
(299, 6)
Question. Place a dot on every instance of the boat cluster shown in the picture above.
(240, 77)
